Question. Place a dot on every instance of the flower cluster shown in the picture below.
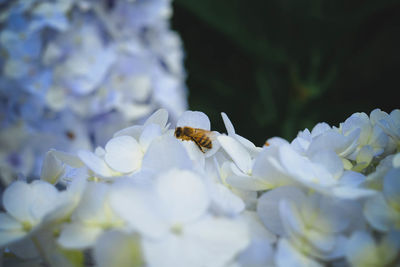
(147, 198)
(72, 72)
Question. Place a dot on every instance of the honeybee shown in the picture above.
(202, 138)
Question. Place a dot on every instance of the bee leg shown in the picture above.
(201, 149)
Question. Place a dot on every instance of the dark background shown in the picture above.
(277, 67)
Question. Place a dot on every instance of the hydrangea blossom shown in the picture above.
(73, 72)
(149, 199)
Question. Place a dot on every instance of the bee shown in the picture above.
(202, 138)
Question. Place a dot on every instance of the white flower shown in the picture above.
(383, 210)
(26, 205)
(260, 251)
(90, 218)
(266, 173)
(313, 224)
(175, 224)
(390, 123)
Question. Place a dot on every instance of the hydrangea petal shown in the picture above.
(248, 183)
(45, 199)
(139, 209)
(391, 186)
(175, 192)
(303, 170)
(210, 242)
(225, 202)
(228, 124)
(78, 236)
(123, 154)
(361, 250)
(378, 213)
(160, 117)
(268, 206)
(17, 199)
(52, 168)
(134, 131)
(68, 159)
(195, 119)
(237, 152)
(330, 160)
(164, 153)
(150, 132)
(96, 164)
(287, 255)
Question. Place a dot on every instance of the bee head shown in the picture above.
(178, 131)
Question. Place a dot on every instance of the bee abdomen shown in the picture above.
(205, 142)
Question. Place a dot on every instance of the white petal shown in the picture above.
(321, 241)
(332, 140)
(352, 179)
(139, 209)
(291, 218)
(167, 252)
(218, 240)
(257, 230)
(268, 206)
(330, 161)
(378, 213)
(391, 186)
(92, 204)
(160, 117)
(248, 183)
(123, 154)
(17, 199)
(320, 128)
(228, 124)
(78, 236)
(347, 192)
(225, 202)
(150, 132)
(68, 159)
(361, 250)
(134, 131)
(303, 170)
(164, 153)
(195, 154)
(247, 144)
(52, 168)
(175, 189)
(237, 152)
(46, 197)
(96, 164)
(211, 242)
(195, 119)
(116, 248)
(286, 255)
(267, 167)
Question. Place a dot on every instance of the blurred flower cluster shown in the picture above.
(147, 198)
(72, 72)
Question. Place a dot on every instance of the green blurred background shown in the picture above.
(277, 67)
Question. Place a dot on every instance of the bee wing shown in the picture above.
(198, 133)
